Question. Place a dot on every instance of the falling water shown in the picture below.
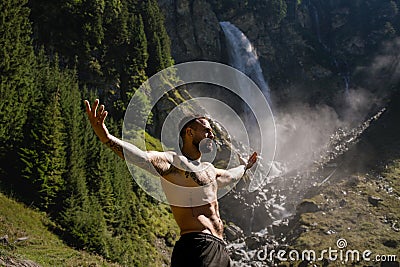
(342, 68)
(316, 21)
(243, 56)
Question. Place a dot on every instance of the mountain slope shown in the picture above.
(360, 202)
(26, 239)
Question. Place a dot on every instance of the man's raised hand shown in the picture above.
(96, 118)
(251, 161)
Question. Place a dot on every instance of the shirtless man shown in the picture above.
(186, 179)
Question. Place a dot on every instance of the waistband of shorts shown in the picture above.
(202, 235)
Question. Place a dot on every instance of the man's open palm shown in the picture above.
(96, 118)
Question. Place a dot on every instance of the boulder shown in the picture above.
(390, 243)
(307, 206)
(374, 200)
(253, 242)
(233, 232)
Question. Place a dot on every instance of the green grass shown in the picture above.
(346, 213)
(42, 246)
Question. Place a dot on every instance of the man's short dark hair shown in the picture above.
(188, 121)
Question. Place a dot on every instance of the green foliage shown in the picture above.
(271, 11)
(138, 110)
(62, 168)
(274, 10)
(159, 46)
(132, 61)
(42, 246)
(16, 79)
(43, 151)
(113, 48)
(389, 30)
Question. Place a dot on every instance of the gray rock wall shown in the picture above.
(302, 57)
(193, 28)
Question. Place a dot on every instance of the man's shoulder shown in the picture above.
(168, 154)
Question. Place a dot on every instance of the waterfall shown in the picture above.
(342, 66)
(316, 21)
(243, 56)
(344, 72)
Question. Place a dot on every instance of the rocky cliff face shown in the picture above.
(310, 49)
(193, 28)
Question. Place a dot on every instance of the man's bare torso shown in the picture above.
(196, 209)
(203, 215)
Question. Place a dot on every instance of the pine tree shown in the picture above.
(74, 30)
(104, 175)
(47, 19)
(133, 73)
(16, 81)
(43, 152)
(61, 160)
(87, 197)
(90, 21)
(86, 226)
(159, 47)
(75, 190)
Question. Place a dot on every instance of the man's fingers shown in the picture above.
(241, 160)
(104, 117)
(87, 105)
(101, 109)
(94, 107)
(254, 157)
(252, 160)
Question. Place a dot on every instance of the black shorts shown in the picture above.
(200, 250)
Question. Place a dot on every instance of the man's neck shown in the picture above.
(191, 153)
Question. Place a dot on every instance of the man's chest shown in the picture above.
(192, 175)
(201, 177)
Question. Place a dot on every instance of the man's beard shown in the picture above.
(204, 145)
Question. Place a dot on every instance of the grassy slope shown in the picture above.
(346, 213)
(42, 246)
(47, 249)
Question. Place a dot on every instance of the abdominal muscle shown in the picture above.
(196, 207)
(203, 218)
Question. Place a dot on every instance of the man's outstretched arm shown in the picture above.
(159, 160)
(225, 177)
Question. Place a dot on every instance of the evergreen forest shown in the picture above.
(54, 55)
